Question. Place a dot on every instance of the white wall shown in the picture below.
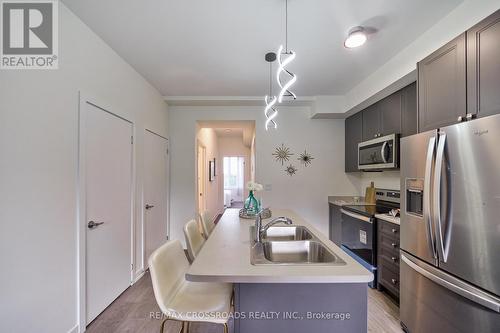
(208, 138)
(38, 171)
(305, 192)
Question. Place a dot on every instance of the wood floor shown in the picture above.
(136, 311)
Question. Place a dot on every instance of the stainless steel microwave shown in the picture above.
(379, 153)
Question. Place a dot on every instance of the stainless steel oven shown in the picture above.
(379, 153)
(359, 238)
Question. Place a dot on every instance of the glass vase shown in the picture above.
(251, 204)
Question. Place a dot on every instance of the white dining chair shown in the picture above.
(194, 240)
(182, 300)
(207, 223)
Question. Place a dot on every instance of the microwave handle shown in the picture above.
(382, 151)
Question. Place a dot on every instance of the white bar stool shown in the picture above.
(207, 223)
(194, 240)
(182, 300)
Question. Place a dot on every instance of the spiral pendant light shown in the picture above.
(285, 58)
(270, 110)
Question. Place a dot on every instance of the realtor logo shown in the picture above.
(29, 37)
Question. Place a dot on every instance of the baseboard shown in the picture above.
(139, 275)
(217, 218)
(76, 329)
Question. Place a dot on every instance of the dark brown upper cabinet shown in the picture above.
(483, 68)
(409, 116)
(397, 113)
(353, 136)
(390, 114)
(371, 122)
(442, 86)
(383, 117)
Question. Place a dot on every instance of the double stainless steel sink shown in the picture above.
(290, 245)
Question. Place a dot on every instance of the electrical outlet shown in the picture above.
(362, 237)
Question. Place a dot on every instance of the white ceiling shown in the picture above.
(216, 48)
(229, 132)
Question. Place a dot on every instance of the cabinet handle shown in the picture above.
(460, 119)
(394, 259)
(470, 116)
(394, 230)
(394, 245)
(394, 281)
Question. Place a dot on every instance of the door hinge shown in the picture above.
(131, 139)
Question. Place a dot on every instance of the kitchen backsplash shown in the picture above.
(386, 179)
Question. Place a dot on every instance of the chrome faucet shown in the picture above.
(259, 229)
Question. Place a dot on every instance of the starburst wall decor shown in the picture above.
(282, 154)
(291, 170)
(305, 158)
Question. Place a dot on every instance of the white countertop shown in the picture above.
(225, 257)
(340, 201)
(388, 218)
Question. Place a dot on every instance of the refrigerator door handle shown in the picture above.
(442, 244)
(427, 197)
(453, 284)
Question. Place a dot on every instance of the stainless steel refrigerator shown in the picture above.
(450, 229)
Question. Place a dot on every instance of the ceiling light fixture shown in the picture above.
(355, 38)
(270, 111)
(288, 56)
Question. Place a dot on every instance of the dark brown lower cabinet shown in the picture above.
(335, 224)
(388, 258)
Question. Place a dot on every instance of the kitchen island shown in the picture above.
(283, 298)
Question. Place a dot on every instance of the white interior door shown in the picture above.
(155, 192)
(108, 181)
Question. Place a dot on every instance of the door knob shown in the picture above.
(92, 224)
(149, 206)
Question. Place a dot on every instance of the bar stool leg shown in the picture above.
(226, 329)
(163, 324)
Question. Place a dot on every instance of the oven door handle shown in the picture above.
(357, 216)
